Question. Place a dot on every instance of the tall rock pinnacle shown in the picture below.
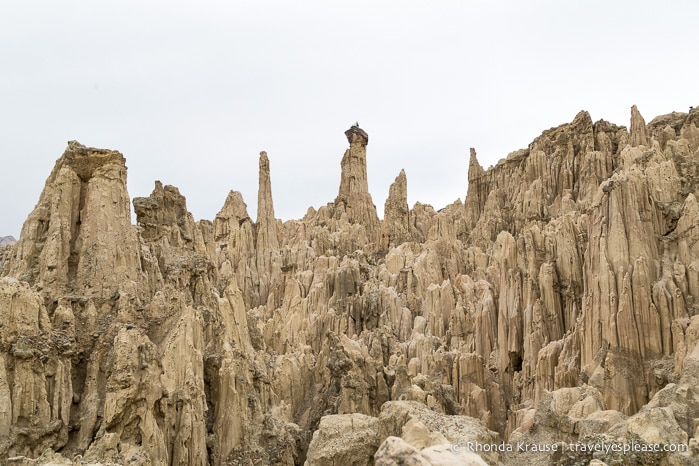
(267, 241)
(396, 226)
(476, 194)
(266, 224)
(354, 198)
(639, 134)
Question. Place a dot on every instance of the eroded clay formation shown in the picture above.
(556, 304)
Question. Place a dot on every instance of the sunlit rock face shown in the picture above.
(557, 301)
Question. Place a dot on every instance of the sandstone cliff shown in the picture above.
(556, 303)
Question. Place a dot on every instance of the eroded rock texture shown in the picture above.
(556, 302)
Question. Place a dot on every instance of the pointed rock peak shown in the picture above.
(582, 121)
(397, 195)
(396, 226)
(265, 206)
(474, 168)
(639, 134)
(266, 239)
(399, 188)
(234, 205)
(473, 160)
(356, 135)
(264, 161)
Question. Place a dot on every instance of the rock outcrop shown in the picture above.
(396, 228)
(556, 304)
(405, 432)
(79, 236)
(7, 241)
(353, 201)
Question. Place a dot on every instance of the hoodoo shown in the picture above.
(353, 199)
(555, 305)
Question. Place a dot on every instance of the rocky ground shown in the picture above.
(555, 310)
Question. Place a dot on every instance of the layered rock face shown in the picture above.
(79, 236)
(557, 302)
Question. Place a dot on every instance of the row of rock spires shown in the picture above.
(556, 304)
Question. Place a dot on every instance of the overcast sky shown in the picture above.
(191, 92)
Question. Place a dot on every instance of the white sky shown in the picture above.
(191, 92)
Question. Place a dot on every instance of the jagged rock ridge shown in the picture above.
(557, 301)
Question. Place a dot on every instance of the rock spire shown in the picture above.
(267, 241)
(396, 224)
(477, 190)
(353, 199)
(266, 223)
(639, 134)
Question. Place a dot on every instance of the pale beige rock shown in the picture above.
(444, 455)
(417, 422)
(599, 422)
(395, 451)
(6, 415)
(657, 425)
(267, 241)
(353, 201)
(79, 236)
(477, 192)
(427, 438)
(557, 301)
(234, 239)
(396, 226)
(416, 433)
(344, 439)
(639, 135)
